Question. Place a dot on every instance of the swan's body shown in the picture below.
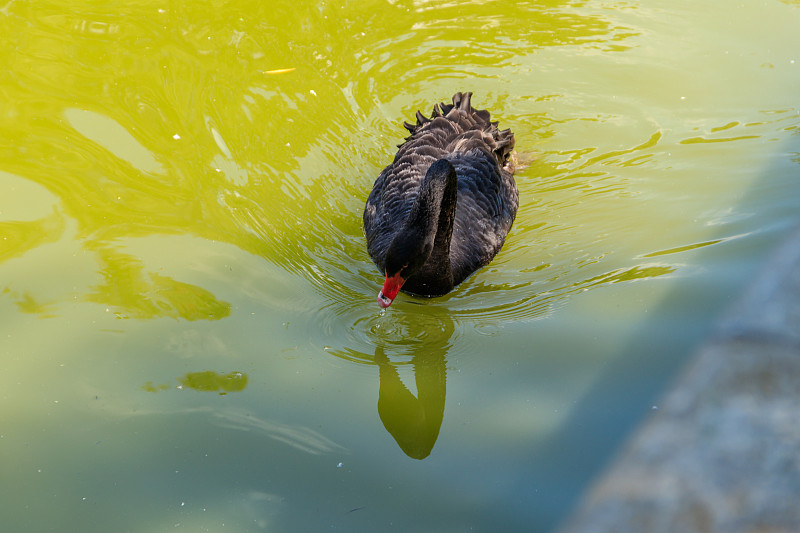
(443, 207)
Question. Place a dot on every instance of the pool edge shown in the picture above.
(720, 452)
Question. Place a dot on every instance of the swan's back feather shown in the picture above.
(487, 195)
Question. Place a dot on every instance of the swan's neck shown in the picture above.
(434, 212)
(444, 223)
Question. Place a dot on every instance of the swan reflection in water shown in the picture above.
(414, 421)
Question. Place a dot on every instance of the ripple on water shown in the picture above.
(563, 241)
(544, 262)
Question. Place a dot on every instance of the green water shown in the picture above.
(189, 338)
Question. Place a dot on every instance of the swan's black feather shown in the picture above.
(487, 197)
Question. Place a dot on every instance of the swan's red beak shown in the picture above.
(390, 289)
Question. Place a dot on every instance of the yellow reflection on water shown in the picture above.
(148, 121)
(135, 293)
(205, 381)
(28, 304)
(18, 237)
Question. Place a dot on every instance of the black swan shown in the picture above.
(442, 209)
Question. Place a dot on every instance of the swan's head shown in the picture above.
(390, 289)
(406, 255)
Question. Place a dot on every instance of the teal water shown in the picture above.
(190, 338)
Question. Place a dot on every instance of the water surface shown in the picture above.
(190, 338)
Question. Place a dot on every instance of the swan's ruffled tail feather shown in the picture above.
(461, 113)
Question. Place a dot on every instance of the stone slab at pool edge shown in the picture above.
(722, 453)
